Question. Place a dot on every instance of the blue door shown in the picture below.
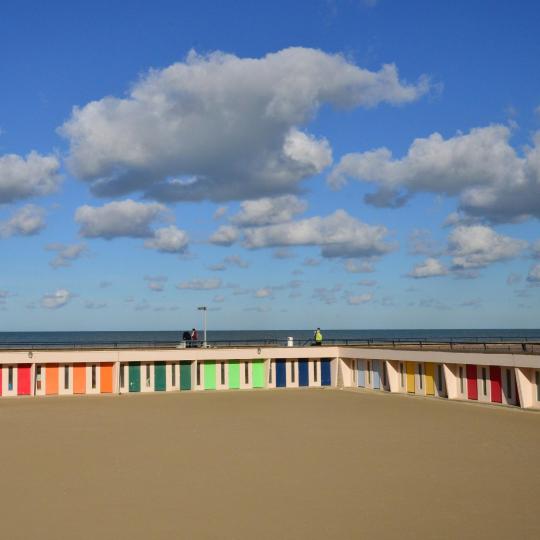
(326, 379)
(361, 373)
(303, 374)
(281, 374)
(376, 374)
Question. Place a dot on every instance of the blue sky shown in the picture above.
(343, 164)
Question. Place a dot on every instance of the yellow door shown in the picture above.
(410, 377)
(429, 369)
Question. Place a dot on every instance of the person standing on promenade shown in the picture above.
(194, 336)
(317, 336)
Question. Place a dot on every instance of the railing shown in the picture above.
(478, 343)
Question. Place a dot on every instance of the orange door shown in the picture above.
(106, 378)
(79, 378)
(51, 379)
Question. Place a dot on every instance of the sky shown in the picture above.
(352, 164)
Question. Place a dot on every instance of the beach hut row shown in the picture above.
(491, 384)
(162, 376)
(496, 383)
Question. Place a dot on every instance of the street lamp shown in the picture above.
(204, 309)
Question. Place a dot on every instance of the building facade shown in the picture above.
(498, 378)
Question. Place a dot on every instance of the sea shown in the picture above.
(269, 337)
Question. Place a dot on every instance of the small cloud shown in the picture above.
(55, 300)
(367, 283)
(218, 298)
(169, 239)
(355, 267)
(355, 300)
(27, 221)
(235, 260)
(156, 283)
(311, 261)
(220, 212)
(429, 268)
(473, 302)
(265, 292)
(265, 308)
(218, 267)
(200, 284)
(422, 243)
(283, 253)
(226, 235)
(105, 284)
(327, 295)
(433, 303)
(513, 278)
(89, 304)
(65, 253)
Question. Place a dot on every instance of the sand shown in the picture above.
(267, 464)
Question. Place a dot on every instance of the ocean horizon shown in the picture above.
(300, 336)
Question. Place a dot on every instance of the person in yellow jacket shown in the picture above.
(317, 336)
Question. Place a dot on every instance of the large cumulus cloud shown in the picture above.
(492, 180)
(221, 127)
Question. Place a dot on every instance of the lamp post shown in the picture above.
(204, 309)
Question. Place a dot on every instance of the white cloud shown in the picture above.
(55, 300)
(200, 284)
(90, 304)
(327, 295)
(235, 260)
(481, 167)
(26, 221)
(226, 235)
(337, 235)
(221, 127)
(65, 253)
(119, 218)
(477, 246)
(33, 176)
(169, 239)
(156, 283)
(534, 274)
(265, 292)
(218, 298)
(354, 300)
(429, 268)
(220, 212)
(269, 211)
(355, 267)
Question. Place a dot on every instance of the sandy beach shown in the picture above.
(267, 464)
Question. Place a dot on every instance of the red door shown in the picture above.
(23, 380)
(472, 383)
(496, 389)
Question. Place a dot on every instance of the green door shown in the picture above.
(160, 377)
(258, 373)
(185, 375)
(210, 375)
(234, 374)
(134, 377)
